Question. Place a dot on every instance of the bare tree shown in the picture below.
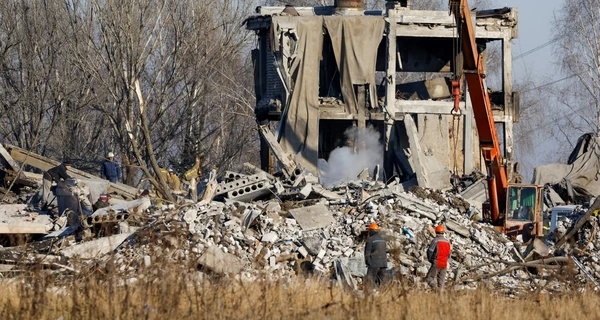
(577, 45)
(28, 60)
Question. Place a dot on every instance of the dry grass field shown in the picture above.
(161, 294)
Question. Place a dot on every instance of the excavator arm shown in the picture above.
(482, 109)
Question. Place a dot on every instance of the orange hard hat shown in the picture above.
(373, 226)
(440, 229)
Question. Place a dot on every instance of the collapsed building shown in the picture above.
(577, 180)
(322, 70)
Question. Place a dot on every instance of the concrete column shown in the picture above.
(469, 127)
(390, 92)
(507, 87)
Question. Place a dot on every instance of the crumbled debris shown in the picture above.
(274, 236)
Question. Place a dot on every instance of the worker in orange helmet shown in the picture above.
(375, 256)
(438, 254)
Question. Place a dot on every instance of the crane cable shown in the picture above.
(455, 117)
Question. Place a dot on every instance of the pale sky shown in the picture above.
(535, 29)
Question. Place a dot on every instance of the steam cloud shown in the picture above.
(345, 165)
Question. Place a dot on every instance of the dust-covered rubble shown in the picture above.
(274, 236)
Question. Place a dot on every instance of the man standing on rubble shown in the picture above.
(375, 256)
(58, 173)
(438, 254)
(111, 170)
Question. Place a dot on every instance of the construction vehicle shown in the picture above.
(512, 208)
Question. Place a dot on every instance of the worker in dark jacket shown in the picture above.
(375, 256)
(58, 173)
(111, 170)
(102, 202)
(438, 254)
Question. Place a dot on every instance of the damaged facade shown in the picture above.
(322, 70)
(332, 68)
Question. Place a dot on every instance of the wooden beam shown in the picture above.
(45, 164)
(8, 160)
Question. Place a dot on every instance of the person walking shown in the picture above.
(438, 253)
(111, 170)
(375, 256)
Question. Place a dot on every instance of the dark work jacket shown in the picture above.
(57, 173)
(100, 204)
(376, 252)
(110, 170)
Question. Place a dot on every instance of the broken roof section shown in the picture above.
(11, 156)
(578, 180)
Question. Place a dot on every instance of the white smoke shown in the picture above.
(346, 163)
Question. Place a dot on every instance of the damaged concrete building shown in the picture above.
(322, 70)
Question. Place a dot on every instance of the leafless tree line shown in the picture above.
(156, 81)
(557, 109)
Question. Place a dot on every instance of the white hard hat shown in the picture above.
(110, 154)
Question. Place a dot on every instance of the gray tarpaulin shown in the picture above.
(355, 41)
(583, 172)
(301, 128)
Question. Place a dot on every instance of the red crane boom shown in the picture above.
(482, 109)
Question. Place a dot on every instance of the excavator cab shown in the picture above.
(523, 211)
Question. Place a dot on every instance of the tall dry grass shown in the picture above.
(175, 293)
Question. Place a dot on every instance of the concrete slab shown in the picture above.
(133, 206)
(312, 244)
(95, 248)
(318, 189)
(215, 260)
(14, 220)
(269, 237)
(476, 194)
(356, 266)
(313, 217)
(458, 228)
(431, 173)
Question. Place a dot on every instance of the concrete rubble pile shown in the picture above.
(270, 238)
(255, 226)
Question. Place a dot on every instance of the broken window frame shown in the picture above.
(521, 206)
